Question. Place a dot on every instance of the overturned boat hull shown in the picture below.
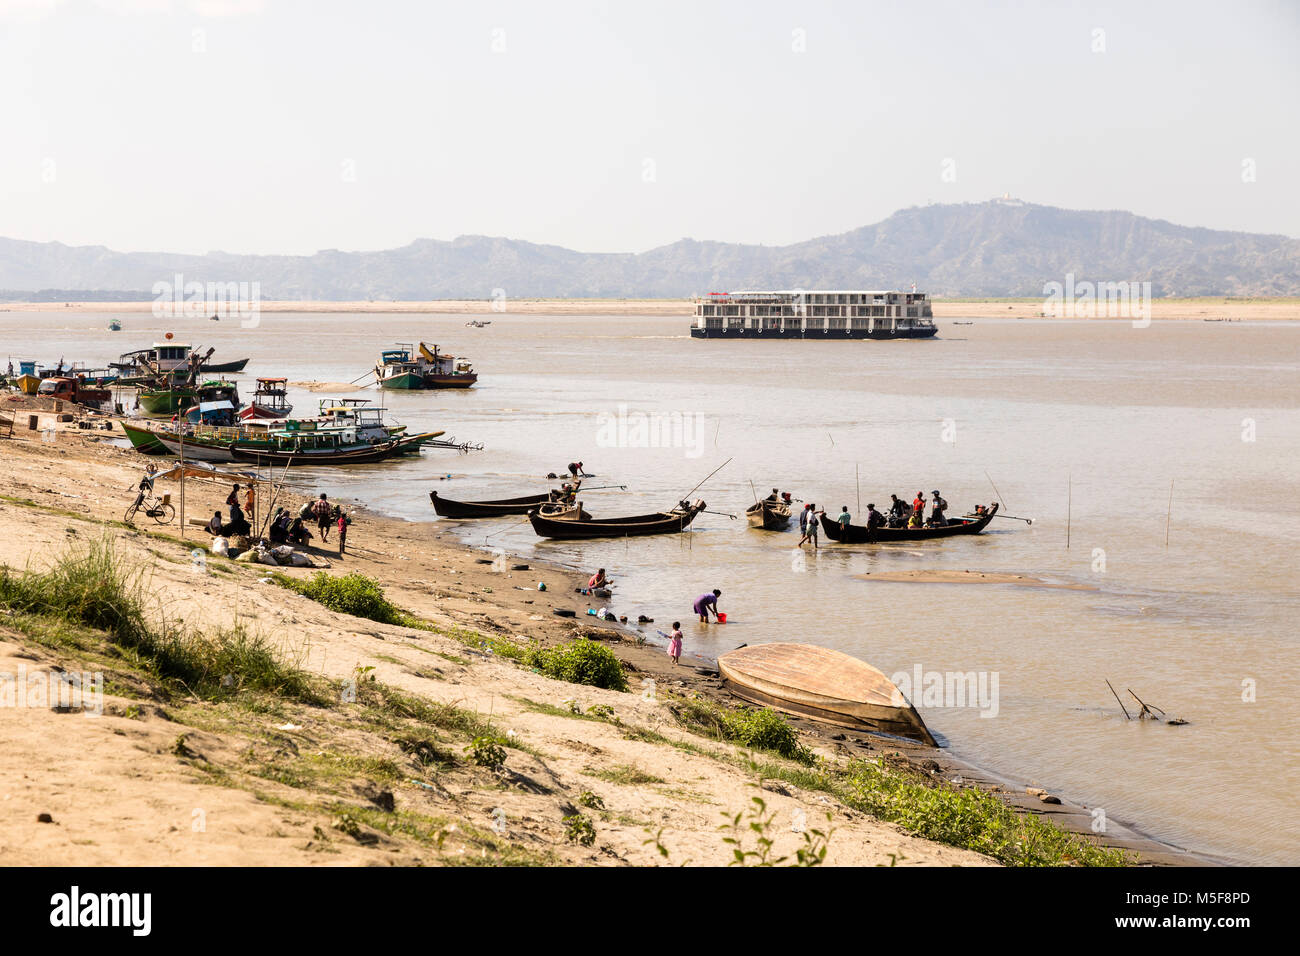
(823, 684)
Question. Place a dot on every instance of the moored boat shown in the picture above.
(448, 508)
(660, 522)
(404, 368)
(329, 447)
(823, 684)
(857, 534)
(270, 400)
(768, 514)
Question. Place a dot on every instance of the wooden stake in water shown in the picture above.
(1169, 512)
(1069, 509)
(858, 482)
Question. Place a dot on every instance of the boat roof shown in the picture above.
(272, 380)
(162, 345)
(814, 292)
(213, 406)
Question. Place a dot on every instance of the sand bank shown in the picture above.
(298, 784)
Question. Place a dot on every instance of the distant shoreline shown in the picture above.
(1281, 309)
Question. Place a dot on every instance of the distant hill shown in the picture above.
(999, 248)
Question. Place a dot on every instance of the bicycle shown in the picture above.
(157, 508)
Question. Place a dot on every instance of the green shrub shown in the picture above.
(352, 593)
(969, 818)
(487, 752)
(580, 662)
(578, 829)
(763, 729)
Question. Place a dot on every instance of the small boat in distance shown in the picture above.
(403, 367)
(823, 684)
(857, 534)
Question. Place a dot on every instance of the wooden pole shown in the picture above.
(1169, 512)
(857, 481)
(1069, 509)
(182, 437)
(1121, 703)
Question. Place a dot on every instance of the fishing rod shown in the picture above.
(1014, 518)
(725, 514)
(707, 477)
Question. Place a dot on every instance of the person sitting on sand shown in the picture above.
(279, 528)
(597, 580)
(706, 602)
(298, 533)
(214, 526)
(238, 524)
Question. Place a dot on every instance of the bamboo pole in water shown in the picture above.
(857, 481)
(1169, 512)
(1069, 508)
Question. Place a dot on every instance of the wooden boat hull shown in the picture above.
(823, 684)
(406, 381)
(219, 367)
(143, 440)
(447, 508)
(767, 517)
(450, 381)
(567, 529)
(259, 411)
(365, 455)
(857, 534)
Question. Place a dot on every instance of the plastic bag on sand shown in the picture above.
(220, 546)
(299, 560)
(266, 557)
(248, 557)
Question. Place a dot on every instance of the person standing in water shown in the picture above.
(706, 602)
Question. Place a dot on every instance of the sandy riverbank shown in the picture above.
(121, 789)
(1188, 310)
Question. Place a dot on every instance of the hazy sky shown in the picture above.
(292, 126)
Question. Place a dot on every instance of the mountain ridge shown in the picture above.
(1001, 247)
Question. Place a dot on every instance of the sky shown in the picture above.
(290, 126)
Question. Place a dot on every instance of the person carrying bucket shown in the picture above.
(708, 602)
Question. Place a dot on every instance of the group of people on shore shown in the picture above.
(284, 527)
(292, 529)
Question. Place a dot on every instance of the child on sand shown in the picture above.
(675, 642)
(343, 530)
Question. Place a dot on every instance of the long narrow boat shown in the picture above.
(448, 508)
(299, 452)
(857, 534)
(661, 522)
(822, 684)
(768, 515)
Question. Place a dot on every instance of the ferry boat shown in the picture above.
(808, 314)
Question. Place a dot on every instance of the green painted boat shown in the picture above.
(169, 401)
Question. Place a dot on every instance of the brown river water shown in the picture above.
(1082, 425)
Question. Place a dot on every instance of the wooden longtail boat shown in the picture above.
(661, 522)
(857, 534)
(321, 452)
(822, 684)
(448, 508)
(768, 515)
